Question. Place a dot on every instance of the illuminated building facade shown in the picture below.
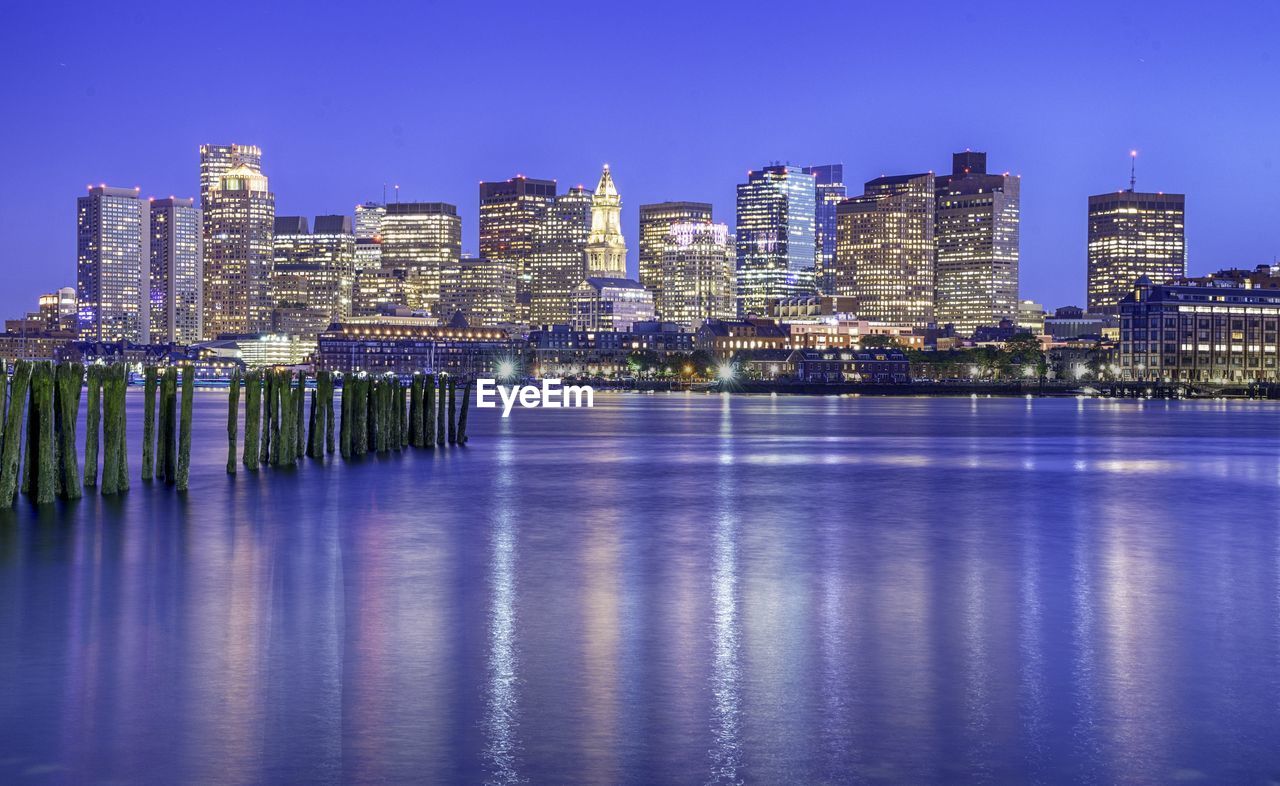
(176, 287)
(239, 214)
(775, 236)
(377, 289)
(656, 221)
(885, 249)
(558, 264)
(217, 160)
(313, 275)
(486, 292)
(424, 239)
(112, 263)
(829, 191)
(1132, 234)
(368, 224)
(606, 250)
(511, 211)
(976, 239)
(1211, 329)
(611, 304)
(406, 349)
(697, 269)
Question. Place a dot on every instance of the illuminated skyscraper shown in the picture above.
(558, 262)
(775, 238)
(313, 274)
(424, 239)
(369, 220)
(976, 242)
(510, 213)
(828, 192)
(176, 290)
(697, 266)
(656, 221)
(485, 294)
(606, 250)
(216, 160)
(1133, 234)
(884, 249)
(611, 304)
(239, 213)
(112, 265)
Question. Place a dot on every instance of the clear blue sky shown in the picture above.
(680, 98)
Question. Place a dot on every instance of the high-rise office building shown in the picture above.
(606, 250)
(379, 289)
(510, 214)
(368, 224)
(611, 304)
(829, 191)
(239, 214)
(112, 265)
(775, 236)
(1133, 234)
(424, 239)
(656, 221)
(697, 281)
(313, 274)
(176, 288)
(976, 245)
(884, 249)
(558, 262)
(485, 294)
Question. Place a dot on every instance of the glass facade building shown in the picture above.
(176, 287)
(239, 214)
(885, 249)
(511, 212)
(656, 221)
(775, 236)
(112, 261)
(558, 263)
(697, 281)
(976, 237)
(424, 239)
(829, 191)
(1132, 234)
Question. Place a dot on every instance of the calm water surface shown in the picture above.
(671, 588)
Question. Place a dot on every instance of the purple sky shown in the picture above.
(680, 98)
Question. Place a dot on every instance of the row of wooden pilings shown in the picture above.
(42, 461)
(379, 413)
(47, 395)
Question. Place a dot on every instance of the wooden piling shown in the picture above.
(326, 405)
(233, 412)
(11, 452)
(184, 427)
(39, 465)
(111, 451)
(252, 418)
(344, 431)
(314, 423)
(148, 421)
(453, 411)
(166, 450)
(462, 417)
(268, 391)
(359, 415)
(415, 411)
(92, 424)
(299, 423)
(69, 379)
(442, 396)
(402, 405)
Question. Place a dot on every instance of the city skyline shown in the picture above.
(1067, 142)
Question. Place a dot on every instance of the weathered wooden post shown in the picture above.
(268, 391)
(326, 405)
(92, 424)
(111, 452)
(148, 421)
(11, 450)
(69, 379)
(453, 411)
(429, 411)
(344, 435)
(233, 412)
(462, 418)
(442, 404)
(166, 456)
(299, 424)
(415, 410)
(39, 465)
(281, 416)
(184, 429)
(4, 399)
(371, 419)
(359, 415)
(252, 418)
(314, 421)
(402, 406)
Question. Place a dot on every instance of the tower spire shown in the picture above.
(1133, 170)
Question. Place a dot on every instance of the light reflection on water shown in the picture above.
(683, 588)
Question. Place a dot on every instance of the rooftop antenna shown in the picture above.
(1133, 170)
(384, 193)
(397, 193)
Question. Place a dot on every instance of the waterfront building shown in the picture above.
(976, 240)
(404, 349)
(697, 274)
(368, 220)
(112, 261)
(885, 249)
(611, 304)
(511, 213)
(485, 294)
(57, 310)
(656, 221)
(176, 286)
(313, 275)
(260, 350)
(829, 191)
(1031, 317)
(561, 351)
(558, 261)
(1218, 328)
(1131, 235)
(775, 236)
(39, 334)
(606, 250)
(880, 366)
(424, 239)
(1071, 322)
(239, 214)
